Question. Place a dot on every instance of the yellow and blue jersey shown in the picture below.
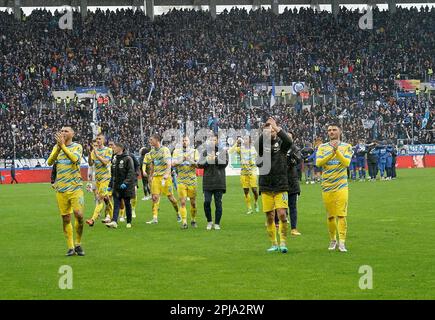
(68, 176)
(102, 172)
(185, 169)
(146, 163)
(160, 158)
(334, 174)
(248, 158)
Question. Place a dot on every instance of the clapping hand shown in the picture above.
(59, 139)
(334, 144)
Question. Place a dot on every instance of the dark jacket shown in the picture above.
(123, 172)
(137, 167)
(371, 155)
(276, 179)
(294, 159)
(214, 173)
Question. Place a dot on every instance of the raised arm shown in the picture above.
(73, 156)
(53, 156)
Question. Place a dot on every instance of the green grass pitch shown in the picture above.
(391, 227)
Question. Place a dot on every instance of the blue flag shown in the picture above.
(426, 118)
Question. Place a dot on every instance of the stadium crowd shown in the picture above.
(204, 71)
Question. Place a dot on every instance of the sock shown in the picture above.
(183, 212)
(155, 209)
(192, 213)
(78, 227)
(248, 200)
(283, 229)
(98, 208)
(122, 213)
(68, 231)
(342, 228)
(175, 205)
(134, 202)
(109, 209)
(332, 227)
(271, 232)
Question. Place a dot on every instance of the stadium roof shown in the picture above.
(76, 3)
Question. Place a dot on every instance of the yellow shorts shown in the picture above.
(102, 188)
(274, 200)
(70, 201)
(157, 188)
(248, 181)
(185, 191)
(336, 202)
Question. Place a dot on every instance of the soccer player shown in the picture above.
(66, 155)
(136, 186)
(101, 158)
(389, 162)
(248, 173)
(185, 159)
(360, 152)
(160, 176)
(353, 166)
(307, 155)
(274, 184)
(335, 157)
(122, 183)
(381, 149)
(144, 152)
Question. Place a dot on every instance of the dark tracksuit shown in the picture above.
(294, 159)
(53, 174)
(13, 178)
(394, 154)
(372, 161)
(146, 187)
(214, 181)
(122, 172)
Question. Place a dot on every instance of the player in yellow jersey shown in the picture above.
(334, 158)
(66, 155)
(145, 174)
(248, 172)
(272, 146)
(101, 158)
(160, 176)
(185, 160)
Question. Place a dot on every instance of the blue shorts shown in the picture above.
(361, 162)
